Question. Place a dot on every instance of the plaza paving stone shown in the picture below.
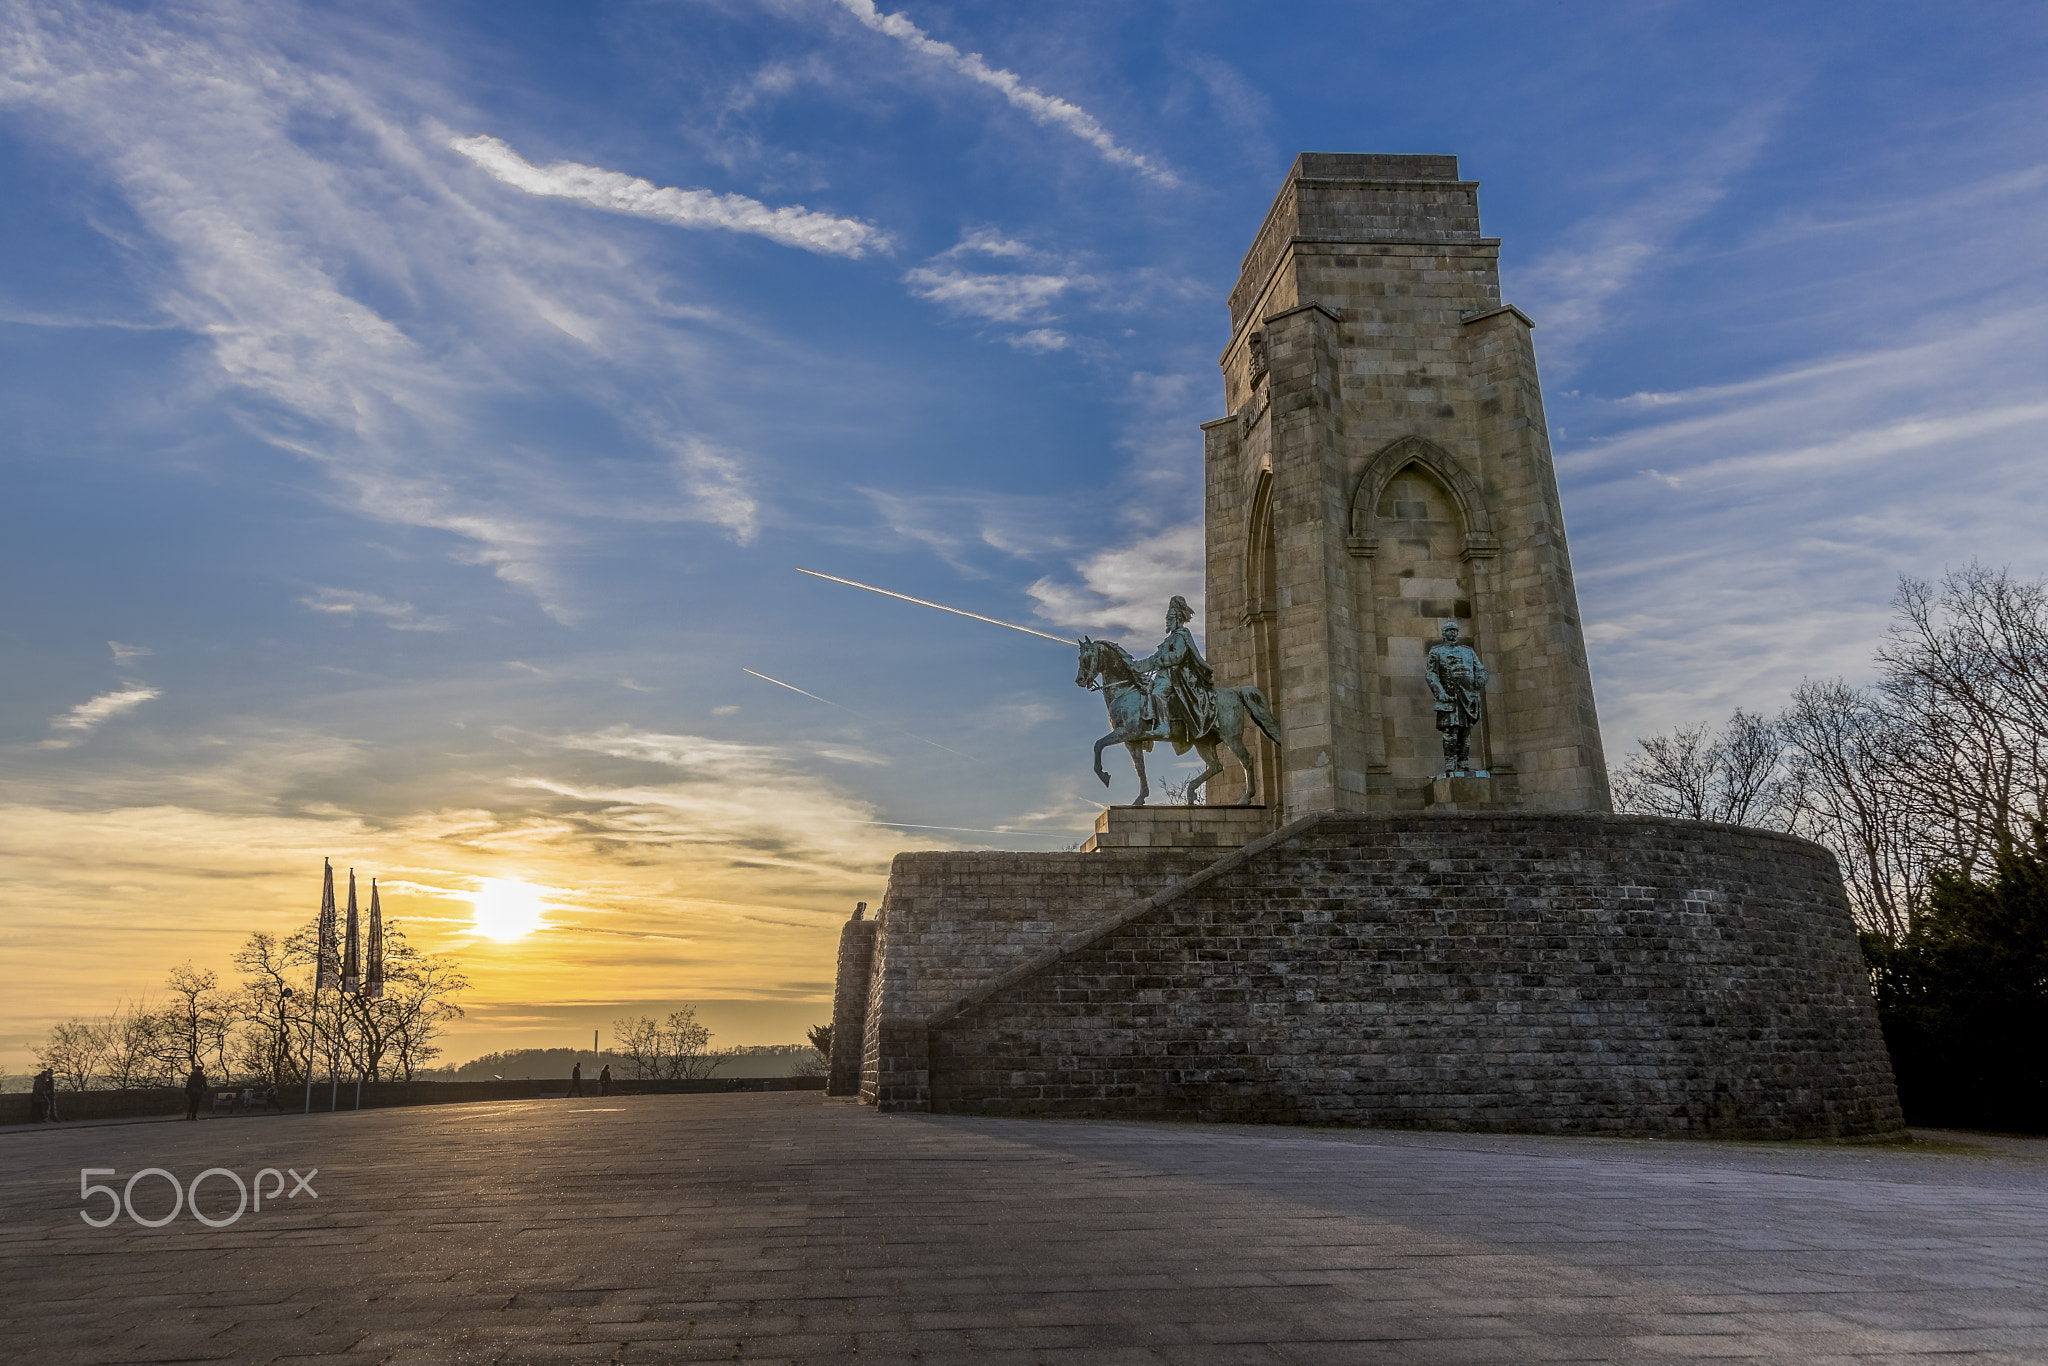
(786, 1228)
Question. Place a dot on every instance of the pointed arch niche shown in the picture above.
(1419, 520)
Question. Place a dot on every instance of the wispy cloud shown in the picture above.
(1571, 291)
(991, 242)
(1016, 297)
(998, 298)
(399, 616)
(752, 802)
(1039, 339)
(717, 481)
(30, 318)
(1046, 109)
(620, 193)
(1734, 538)
(87, 717)
(954, 526)
(127, 654)
(370, 305)
(1125, 590)
(1161, 414)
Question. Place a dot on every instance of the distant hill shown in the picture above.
(518, 1064)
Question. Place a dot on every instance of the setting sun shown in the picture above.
(507, 908)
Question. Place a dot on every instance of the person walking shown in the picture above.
(576, 1080)
(195, 1091)
(604, 1080)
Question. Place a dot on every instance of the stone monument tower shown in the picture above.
(1515, 958)
(1385, 468)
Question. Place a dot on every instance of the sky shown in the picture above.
(414, 417)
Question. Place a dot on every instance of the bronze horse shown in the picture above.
(1107, 665)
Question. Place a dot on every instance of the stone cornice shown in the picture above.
(1237, 339)
(1317, 304)
(1485, 313)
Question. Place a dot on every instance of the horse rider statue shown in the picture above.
(1183, 689)
(1171, 695)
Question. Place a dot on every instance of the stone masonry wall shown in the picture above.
(1522, 971)
(954, 922)
(850, 1004)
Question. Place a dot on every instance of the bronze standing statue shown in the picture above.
(1171, 695)
(1458, 681)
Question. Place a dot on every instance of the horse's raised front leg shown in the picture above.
(1136, 747)
(1108, 739)
(1207, 749)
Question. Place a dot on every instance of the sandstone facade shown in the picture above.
(1385, 467)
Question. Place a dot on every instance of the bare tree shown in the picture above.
(320, 1021)
(259, 1031)
(195, 1022)
(638, 1040)
(678, 1048)
(1942, 764)
(1967, 662)
(135, 1047)
(271, 1041)
(418, 1002)
(74, 1051)
(688, 1045)
(1844, 750)
(1732, 775)
(391, 1035)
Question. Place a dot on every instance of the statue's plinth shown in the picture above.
(1179, 827)
(1473, 792)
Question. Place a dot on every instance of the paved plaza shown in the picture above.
(788, 1228)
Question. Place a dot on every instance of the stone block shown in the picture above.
(1212, 828)
(1472, 792)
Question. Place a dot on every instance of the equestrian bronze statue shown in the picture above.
(1171, 695)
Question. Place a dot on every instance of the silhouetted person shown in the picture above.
(576, 1080)
(271, 1100)
(42, 1098)
(195, 1091)
(604, 1080)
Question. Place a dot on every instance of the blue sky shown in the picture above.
(415, 414)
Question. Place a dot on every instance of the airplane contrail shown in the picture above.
(756, 673)
(939, 606)
(791, 686)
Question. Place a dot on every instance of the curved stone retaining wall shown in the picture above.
(1567, 972)
(952, 923)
